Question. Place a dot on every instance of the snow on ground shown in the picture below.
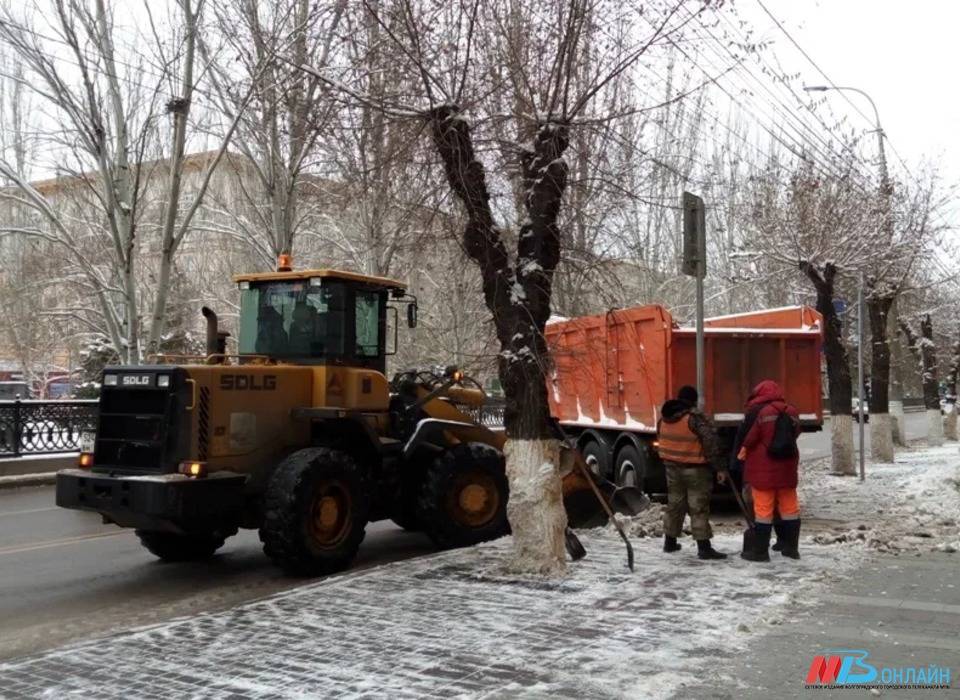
(910, 506)
(452, 625)
(456, 625)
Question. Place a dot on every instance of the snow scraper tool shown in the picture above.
(750, 534)
(626, 500)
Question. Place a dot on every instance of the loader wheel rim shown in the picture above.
(628, 474)
(474, 499)
(330, 513)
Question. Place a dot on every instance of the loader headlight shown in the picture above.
(109, 380)
(163, 381)
(194, 469)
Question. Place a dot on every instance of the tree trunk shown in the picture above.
(838, 368)
(518, 297)
(925, 351)
(897, 373)
(950, 420)
(881, 433)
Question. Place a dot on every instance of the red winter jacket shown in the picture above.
(761, 470)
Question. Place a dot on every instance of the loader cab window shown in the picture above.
(318, 319)
(368, 323)
(294, 320)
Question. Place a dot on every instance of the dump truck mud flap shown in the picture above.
(164, 502)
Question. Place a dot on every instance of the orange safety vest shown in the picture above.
(678, 442)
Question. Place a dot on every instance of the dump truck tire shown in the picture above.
(315, 512)
(170, 546)
(631, 469)
(464, 497)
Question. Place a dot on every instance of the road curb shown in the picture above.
(24, 480)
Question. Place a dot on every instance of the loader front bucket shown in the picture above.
(584, 511)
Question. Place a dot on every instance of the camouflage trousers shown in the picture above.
(688, 491)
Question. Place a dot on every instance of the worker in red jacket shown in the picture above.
(771, 458)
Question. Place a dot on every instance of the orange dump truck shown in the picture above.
(612, 372)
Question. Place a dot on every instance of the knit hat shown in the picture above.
(688, 394)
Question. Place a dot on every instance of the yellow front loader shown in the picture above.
(299, 434)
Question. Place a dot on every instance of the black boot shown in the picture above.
(791, 541)
(781, 533)
(670, 544)
(706, 551)
(756, 543)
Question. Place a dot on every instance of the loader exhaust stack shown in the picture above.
(216, 341)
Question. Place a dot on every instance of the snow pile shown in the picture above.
(910, 506)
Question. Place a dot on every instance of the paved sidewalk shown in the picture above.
(905, 611)
(451, 625)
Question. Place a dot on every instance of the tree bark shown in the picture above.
(950, 420)
(925, 352)
(881, 433)
(839, 383)
(897, 373)
(518, 297)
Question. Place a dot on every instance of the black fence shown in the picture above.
(490, 414)
(44, 427)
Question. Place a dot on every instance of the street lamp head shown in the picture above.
(816, 88)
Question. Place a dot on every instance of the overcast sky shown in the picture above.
(905, 55)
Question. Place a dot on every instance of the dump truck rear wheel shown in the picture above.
(170, 546)
(631, 467)
(594, 455)
(464, 497)
(315, 512)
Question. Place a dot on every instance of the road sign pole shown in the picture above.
(700, 363)
(695, 265)
(860, 397)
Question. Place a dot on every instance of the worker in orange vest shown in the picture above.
(687, 443)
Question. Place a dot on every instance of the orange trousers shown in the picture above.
(782, 501)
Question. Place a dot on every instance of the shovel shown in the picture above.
(628, 500)
(750, 534)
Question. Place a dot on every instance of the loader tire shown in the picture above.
(464, 497)
(315, 512)
(170, 546)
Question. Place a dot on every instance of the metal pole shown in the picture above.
(700, 364)
(860, 396)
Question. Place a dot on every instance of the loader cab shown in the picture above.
(315, 317)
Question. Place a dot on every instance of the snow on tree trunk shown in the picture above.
(950, 422)
(934, 427)
(535, 509)
(841, 444)
(924, 349)
(881, 437)
(950, 419)
(881, 431)
(897, 423)
(518, 294)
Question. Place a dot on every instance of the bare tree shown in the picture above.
(111, 106)
(811, 221)
(909, 229)
(477, 58)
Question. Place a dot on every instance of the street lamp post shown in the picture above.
(884, 175)
(886, 192)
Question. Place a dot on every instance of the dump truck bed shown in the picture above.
(615, 370)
